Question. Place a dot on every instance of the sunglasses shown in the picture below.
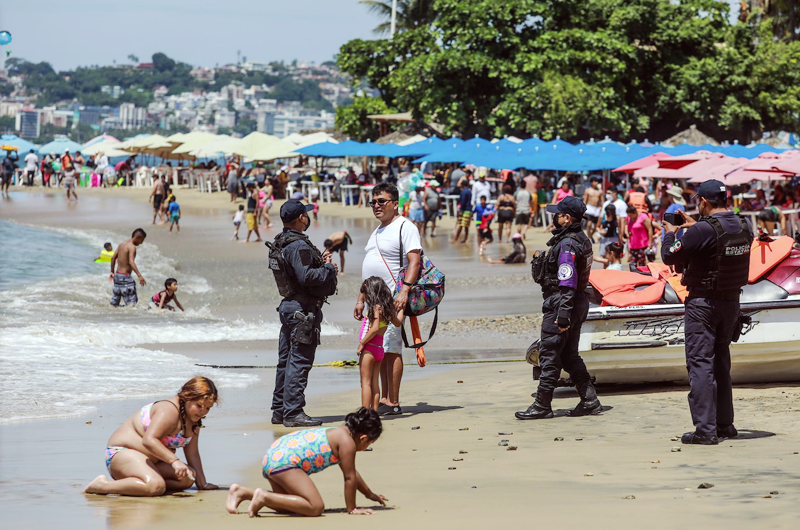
(380, 202)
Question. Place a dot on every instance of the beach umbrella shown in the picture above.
(15, 141)
(787, 162)
(219, 146)
(99, 139)
(192, 141)
(256, 143)
(177, 138)
(649, 160)
(273, 152)
(104, 146)
(130, 143)
(59, 145)
(713, 168)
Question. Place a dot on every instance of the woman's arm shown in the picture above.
(649, 225)
(162, 422)
(192, 452)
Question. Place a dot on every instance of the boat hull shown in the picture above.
(645, 344)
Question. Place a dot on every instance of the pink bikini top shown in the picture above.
(172, 442)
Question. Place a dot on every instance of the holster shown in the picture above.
(305, 332)
(744, 320)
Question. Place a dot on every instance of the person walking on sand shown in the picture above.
(238, 216)
(174, 214)
(294, 457)
(464, 212)
(140, 456)
(592, 198)
(31, 163)
(157, 197)
(384, 259)
(252, 202)
(125, 261)
(7, 171)
(338, 242)
(68, 170)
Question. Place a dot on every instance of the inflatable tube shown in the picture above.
(765, 255)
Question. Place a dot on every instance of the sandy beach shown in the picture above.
(616, 470)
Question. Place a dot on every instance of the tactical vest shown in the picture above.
(729, 269)
(545, 266)
(288, 286)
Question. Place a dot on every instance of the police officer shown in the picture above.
(714, 254)
(563, 273)
(305, 278)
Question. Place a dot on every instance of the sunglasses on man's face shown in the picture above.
(381, 202)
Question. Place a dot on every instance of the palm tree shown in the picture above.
(410, 13)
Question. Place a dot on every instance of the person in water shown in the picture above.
(125, 260)
(380, 313)
(518, 255)
(140, 456)
(106, 254)
(162, 298)
(293, 457)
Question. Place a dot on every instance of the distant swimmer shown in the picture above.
(337, 242)
(162, 299)
(106, 254)
(124, 258)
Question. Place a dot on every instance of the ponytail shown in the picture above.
(364, 421)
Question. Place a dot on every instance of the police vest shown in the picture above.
(729, 269)
(287, 283)
(582, 248)
(637, 200)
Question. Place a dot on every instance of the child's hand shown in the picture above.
(377, 498)
(362, 511)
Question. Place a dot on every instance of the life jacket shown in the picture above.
(545, 266)
(287, 283)
(637, 200)
(66, 163)
(105, 256)
(729, 269)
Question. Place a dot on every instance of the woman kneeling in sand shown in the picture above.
(140, 456)
(292, 458)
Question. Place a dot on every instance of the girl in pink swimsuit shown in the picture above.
(140, 455)
(381, 311)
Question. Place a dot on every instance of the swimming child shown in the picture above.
(106, 254)
(174, 214)
(162, 298)
(140, 456)
(380, 303)
(293, 457)
(238, 216)
(612, 259)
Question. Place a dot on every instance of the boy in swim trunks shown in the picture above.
(464, 212)
(125, 261)
(337, 242)
(174, 214)
(162, 298)
(593, 199)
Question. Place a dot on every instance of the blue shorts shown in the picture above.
(417, 216)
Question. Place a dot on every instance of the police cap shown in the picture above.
(712, 190)
(292, 209)
(569, 205)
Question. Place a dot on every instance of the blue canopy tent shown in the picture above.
(59, 145)
(22, 145)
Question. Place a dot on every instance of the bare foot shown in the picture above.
(234, 498)
(258, 502)
(259, 240)
(96, 485)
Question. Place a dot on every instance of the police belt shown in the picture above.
(308, 302)
(732, 295)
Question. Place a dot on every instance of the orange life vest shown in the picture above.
(637, 200)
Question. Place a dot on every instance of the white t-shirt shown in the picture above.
(32, 161)
(620, 206)
(480, 189)
(388, 241)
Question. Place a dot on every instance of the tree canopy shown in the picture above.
(583, 68)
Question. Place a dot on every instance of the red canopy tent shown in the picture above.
(649, 160)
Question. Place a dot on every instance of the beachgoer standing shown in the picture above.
(69, 173)
(640, 236)
(481, 188)
(31, 162)
(174, 214)
(157, 197)
(305, 278)
(416, 209)
(252, 204)
(464, 211)
(125, 261)
(714, 278)
(238, 216)
(395, 243)
(338, 242)
(9, 165)
(524, 201)
(563, 274)
(592, 197)
(433, 204)
(506, 208)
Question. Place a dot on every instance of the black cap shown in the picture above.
(712, 190)
(292, 209)
(570, 205)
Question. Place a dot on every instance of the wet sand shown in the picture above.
(489, 313)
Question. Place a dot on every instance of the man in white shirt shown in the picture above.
(621, 208)
(31, 163)
(481, 188)
(383, 259)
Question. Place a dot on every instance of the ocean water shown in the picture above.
(63, 348)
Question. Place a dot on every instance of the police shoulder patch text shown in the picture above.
(565, 272)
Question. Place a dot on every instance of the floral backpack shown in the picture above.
(426, 293)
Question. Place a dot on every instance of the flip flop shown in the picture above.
(392, 411)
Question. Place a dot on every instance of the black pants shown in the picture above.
(708, 325)
(559, 349)
(294, 362)
(29, 174)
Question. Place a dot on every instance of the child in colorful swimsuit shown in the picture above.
(381, 311)
(292, 458)
(162, 298)
(140, 455)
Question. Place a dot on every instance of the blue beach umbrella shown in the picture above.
(21, 144)
(59, 145)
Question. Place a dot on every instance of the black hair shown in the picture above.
(594, 178)
(364, 421)
(522, 184)
(616, 248)
(631, 208)
(506, 189)
(173, 199)
(327, 243)
(241, 207)
(377, 293)
(639, 189)
(385, 187)
(139, 232)
(465, 183)
(169, 281)
(717, 203)
(108, 246)
(483, 198)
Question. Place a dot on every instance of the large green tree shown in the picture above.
(410, 14)
(352, 120)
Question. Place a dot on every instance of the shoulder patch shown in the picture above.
(675, 246)
(565, 272)
(305, 256)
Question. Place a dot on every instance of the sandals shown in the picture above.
(386, 410)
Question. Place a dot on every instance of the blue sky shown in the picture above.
(70, 33)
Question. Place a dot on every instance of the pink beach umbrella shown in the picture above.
(649, 160)
(670, 168)
(714, 168)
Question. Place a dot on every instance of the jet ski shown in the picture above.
(635, 334)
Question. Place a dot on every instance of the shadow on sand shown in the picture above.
(408, 411)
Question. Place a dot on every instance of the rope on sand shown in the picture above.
(345, 364)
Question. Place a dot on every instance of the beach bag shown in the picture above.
(424, 296)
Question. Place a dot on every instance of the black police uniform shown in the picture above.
(305, 282)
(715, 257)
(564, 277)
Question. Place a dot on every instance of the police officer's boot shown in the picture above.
(589, 403)
(536, 411)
